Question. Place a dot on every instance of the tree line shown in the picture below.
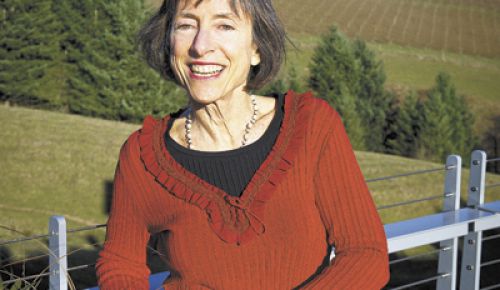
(425, 125)
(81, 57)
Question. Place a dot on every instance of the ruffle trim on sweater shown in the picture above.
(235, 220)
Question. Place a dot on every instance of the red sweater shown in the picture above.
(308, 194)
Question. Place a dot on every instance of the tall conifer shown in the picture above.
(110, 79)
(373, 102)
(460, 117)
(335, 78)
(31, 69)
(436, 129)
(403, 127)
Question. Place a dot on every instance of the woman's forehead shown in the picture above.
(234, 5)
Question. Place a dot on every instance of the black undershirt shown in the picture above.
(229, 170)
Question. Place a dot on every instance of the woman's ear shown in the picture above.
(255, 59)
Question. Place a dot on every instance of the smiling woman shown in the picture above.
(243, 191)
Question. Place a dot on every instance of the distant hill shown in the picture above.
(462, 26)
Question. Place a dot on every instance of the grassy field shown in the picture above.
(55, 163)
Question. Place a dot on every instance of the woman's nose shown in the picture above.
(202, 43)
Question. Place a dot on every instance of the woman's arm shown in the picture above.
(351, 220)
(122, 262)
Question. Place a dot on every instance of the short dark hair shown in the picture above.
(268, 35)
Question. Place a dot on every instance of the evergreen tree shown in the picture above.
(460, 118)
(403, 127)
(436, 129)
(110, 79)
(335, 78)
(31, 69)
(373, 102)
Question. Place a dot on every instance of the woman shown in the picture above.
(244, 191)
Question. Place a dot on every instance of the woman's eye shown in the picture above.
(226, 27)
(183, 26)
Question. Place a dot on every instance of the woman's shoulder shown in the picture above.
(318, 109)
(138, 140)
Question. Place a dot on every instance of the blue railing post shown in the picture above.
(448, 254)
(58, 263)
(471, 258)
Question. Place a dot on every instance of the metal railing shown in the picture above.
(447, 228)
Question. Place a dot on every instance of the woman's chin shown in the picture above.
(205, 97)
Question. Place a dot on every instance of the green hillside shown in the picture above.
(55, 163)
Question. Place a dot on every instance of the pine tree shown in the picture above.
(335, 78)
(110, 80)
(403, 127)
(461, 118)
(436, 128)
(31, 69)
(373, 102)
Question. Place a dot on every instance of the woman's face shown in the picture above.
(212, 49)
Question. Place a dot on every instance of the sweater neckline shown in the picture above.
(235, 220)
(275, 123)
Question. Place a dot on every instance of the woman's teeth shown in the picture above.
(206, 69)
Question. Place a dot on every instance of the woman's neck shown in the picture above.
(220, 125)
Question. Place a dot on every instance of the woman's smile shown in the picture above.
(205, 71)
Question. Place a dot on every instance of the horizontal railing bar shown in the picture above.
(410, 202)
(26, 278)
(26, 260)
(492, 262)
(413, 257)
(87, 228)
(408, 174)
(420, 282)
(18, 240)
(492, 185)
(35, 237)
(491, 237)
(493, 159)
(496, 286)
(80, 267)
(487, 210)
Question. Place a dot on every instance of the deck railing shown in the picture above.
(453, 227)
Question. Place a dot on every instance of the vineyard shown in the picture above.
(461, 26)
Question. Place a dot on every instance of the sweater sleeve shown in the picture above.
(350, 218)
(122, 262)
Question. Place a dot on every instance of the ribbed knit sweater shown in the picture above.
(308, 195)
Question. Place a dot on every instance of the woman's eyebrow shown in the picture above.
(188, 15)
(229, 15)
